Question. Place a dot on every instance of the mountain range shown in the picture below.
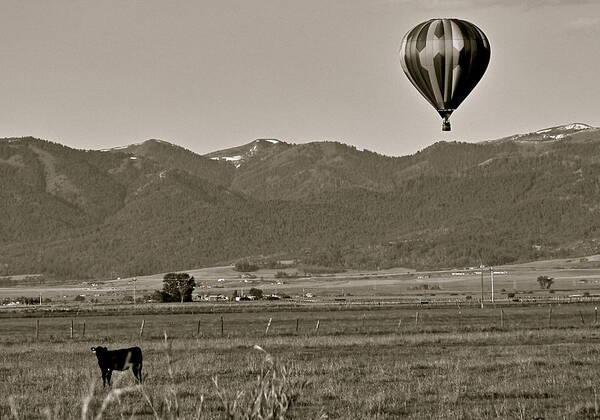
(155, 207)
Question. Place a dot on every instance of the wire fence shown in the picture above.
(374, 321)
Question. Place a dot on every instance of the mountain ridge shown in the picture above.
(154, 206)
(570, 128)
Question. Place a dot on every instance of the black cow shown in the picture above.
(121, 359)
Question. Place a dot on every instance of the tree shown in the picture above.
(545, 282)
(245, 266)
(177, 287)
(257, 293)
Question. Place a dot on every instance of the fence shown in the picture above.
(374, 322)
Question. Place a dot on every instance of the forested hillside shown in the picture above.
(157, 207)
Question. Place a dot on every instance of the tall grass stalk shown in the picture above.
(269, 397)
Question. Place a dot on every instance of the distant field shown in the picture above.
(576, 276)
(371, 362)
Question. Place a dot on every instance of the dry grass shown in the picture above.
(444, 368)
(273, 392)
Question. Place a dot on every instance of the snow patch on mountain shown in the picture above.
(550, 134)
(239, 155)
(236, 160)
(568, 127)
(112, 149)
(576, 126)
(228, 158)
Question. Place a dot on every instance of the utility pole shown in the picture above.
(492, 279)
(481, 271)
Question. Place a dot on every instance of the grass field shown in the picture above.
(363, 362)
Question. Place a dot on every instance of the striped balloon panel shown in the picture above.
(445, 59)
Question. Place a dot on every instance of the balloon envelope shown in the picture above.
(444, 59)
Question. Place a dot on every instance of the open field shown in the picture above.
(380, 361)
(367, 345)
(574, 276)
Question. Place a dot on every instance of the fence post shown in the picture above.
(550, 317)
(297, 322)
(83, 332)
(363, 323)
(417, 318)
(595, 314)
(581, 315)
(198, 329)
(268, 325)
(317, 326)
(37, 329)
(142, 327)
(399, 325)
(501, 318)
(71, 329)
(222, 327)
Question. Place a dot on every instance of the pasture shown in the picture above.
(371, 361)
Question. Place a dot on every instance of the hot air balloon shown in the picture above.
(444, 59)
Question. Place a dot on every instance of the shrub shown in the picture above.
(274, 264)
(23, 300)
(156, 296)
(245, 266)
(426, 286)
(257, 293)
(545, 282)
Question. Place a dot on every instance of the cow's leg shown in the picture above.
(103, 378)
(137, 372)
(108, 375)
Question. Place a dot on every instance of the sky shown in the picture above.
(213, 74)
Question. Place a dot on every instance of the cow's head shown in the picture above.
(99, 349)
